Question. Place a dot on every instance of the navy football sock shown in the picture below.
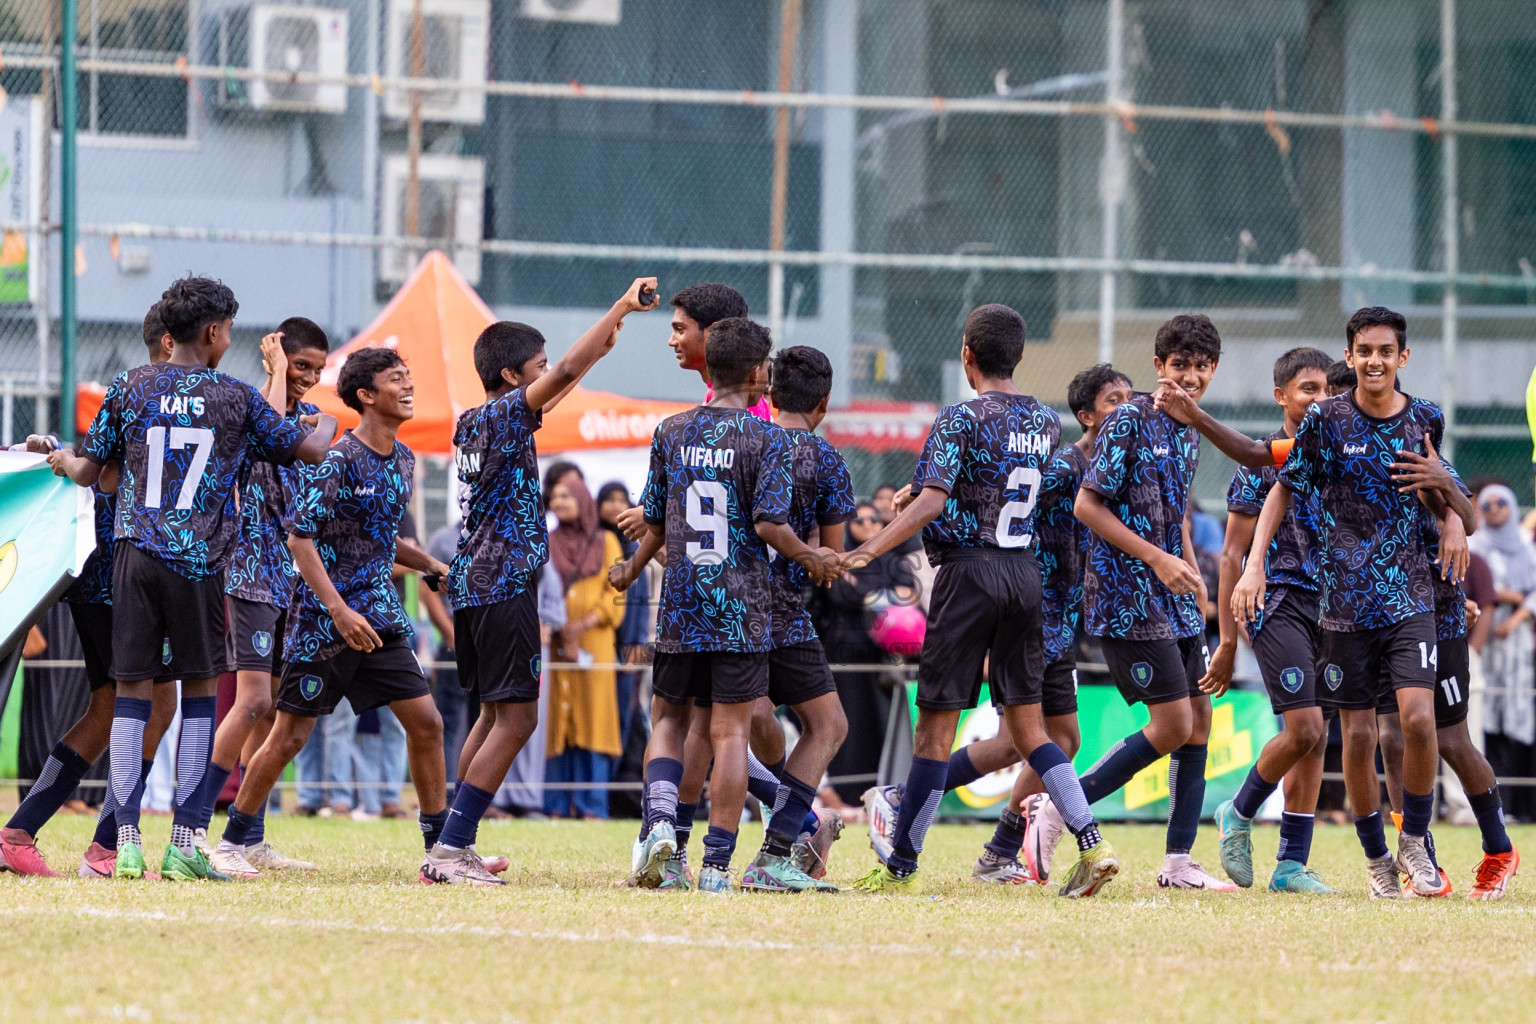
(237, 829)
(925, 788)
(470, 803)
(1008, 838)
(684, 826)
(662, 777)
(962, 771)
(432, 827)
(106, 821)
(1053, 766)
(763, 781)
(1117, 767)
(61, 773)
(1416, 812)
(1295, 837)
(1373, 836)
(1490, 821)
(1252, 794)
(788, 821)
(213, 785)
(130, 716)
(195, 743)
(1186, 794)
(258, 834)
(719, 847)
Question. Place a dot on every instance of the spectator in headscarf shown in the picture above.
(1509, 659)
(583, 737)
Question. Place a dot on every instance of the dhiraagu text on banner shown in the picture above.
(46, 533)
(1241, 723)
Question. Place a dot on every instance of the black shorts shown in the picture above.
(1156, 671)
(164, 626)
(1454, 665)
(255, 636)
(718, 677)
(379, 677)
(1358, 671)
(799, 673)
(1059, 691)
(93, 623)
(986, 602)
(498, 651)
(1286, 647)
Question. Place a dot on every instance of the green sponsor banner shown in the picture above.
(1241, 723)
(46, 533)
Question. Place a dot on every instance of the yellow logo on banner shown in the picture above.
(1229, 751)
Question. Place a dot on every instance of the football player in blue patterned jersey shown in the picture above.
(1142, 591)
(718, 496)
(976, 487)
(494, 577)
(260, 585)
(90, 606)
(1284, 640)
(182, 433)
(1358, 454)
(348, 634)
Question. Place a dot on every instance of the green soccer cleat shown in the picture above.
(1236, 834)
(130, 861)
(769, 873)
(651, 853)
(714, 881)
(1094, 867)
(675, 876)
(883, 880)
(176, 866)
(1294, 876)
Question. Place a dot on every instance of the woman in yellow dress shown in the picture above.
(583, 722)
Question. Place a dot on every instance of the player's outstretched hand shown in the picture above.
(1414, 472)
(1473, 614)
(1177, 575)
(273, 359)
(1248, 595)
(631, 523)
(1455, 558)
(1174, 400)
(634, 299)
(59, 461)
(622, 575)
(855, 559)
(42, 444)
(902, 498)
(354, 629)
(824, 565)
(1218, 674)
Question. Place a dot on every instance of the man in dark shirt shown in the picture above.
(977, 484)
(182, 433)
(348, 634)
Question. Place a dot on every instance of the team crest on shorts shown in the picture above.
(165, 651)
(1142, 673)
(1333, 676)
(309, 687)
(262, 641)
(537, 665)
(1291, 679)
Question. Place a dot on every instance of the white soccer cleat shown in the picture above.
(200, 841)
(1181, 872)
(1043, 829)
(443, 866)
(1413, 860)
(1382, 874)
(881, 806)
(265, 858)
(230, 860)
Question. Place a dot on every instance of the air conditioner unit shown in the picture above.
(451, 204)
(593, 12)
(455, 49)
(273, 37)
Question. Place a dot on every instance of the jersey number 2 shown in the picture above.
(201, 441)
(1011, 512)
(715, 522)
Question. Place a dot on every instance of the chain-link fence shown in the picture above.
(1098, 164)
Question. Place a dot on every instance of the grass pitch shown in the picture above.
(360, 940)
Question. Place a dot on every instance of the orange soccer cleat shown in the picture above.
(1493, 875)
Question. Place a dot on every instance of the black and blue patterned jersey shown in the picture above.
(1060, 543)
(1375, 562)
(505, 539)
(1143, 464)
(94, 584)
(351, 506)
(260, 568)
(714, 473)
(822, 496)
(183, 436)
(1450, 597)
(988, 454)
(1292, 558)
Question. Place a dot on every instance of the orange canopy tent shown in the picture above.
(433, 321)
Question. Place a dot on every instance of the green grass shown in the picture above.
(360, 940)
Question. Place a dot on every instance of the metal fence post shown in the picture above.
(1111, 179)
(1449, 218)
(68, 94)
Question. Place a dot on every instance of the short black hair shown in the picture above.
(802, 378)
(733, 347)
(1376, 316)
(709, 303)
(154, 327)
(1188, 333)
(1084, 389)
(1340, 376)
(360, 370)
(300, 333)
(192, 303)
(995, 335)
(505, 345)
(1298, 359)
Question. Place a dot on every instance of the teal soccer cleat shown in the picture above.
(1236, 834)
